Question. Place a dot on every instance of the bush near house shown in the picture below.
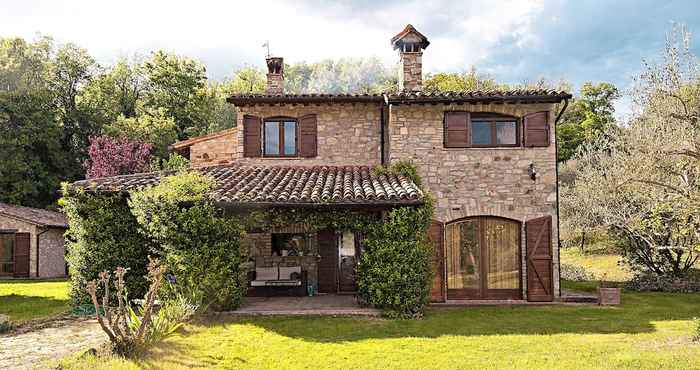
(103, 235)
(175, 221)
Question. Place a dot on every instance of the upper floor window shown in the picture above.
(490, 130)
(280, 137)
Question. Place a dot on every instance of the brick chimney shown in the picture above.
(275, 76)
(410, 43)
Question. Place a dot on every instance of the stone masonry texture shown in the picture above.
(51, 252)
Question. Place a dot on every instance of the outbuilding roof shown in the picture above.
(284, 185)
(36, 216)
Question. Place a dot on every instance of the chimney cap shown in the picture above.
(409, 35)
(275, 65)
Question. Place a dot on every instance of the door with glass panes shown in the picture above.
(483, 258)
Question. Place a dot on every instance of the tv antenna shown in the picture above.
(267, 45)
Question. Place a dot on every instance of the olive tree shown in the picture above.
(642, 180)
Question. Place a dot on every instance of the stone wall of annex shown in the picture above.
(348, 134)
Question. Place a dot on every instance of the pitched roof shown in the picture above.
(471, 96)
(406, 31)
(284, 185)
(34, 216)
(481, 96)
(198, 139)
(244, 99)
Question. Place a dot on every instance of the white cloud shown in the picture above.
(231, 33)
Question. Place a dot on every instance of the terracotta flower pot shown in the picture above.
(608, 296)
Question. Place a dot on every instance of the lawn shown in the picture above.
(26, 299)
(604, 266)
(648, 331)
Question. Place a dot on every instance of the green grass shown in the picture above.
(24, 300)
(604, 266)
(648, 331)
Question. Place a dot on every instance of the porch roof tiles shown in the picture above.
(284, 185)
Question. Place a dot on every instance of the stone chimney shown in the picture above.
(275, 76)
(410, 43)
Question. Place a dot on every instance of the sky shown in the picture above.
(512, 41)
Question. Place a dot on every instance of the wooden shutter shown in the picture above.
(436, 237)
(308, 136)
(538, 236)
(21, 255)
(456, 130)
(328, 264)
(251, 136)
(536, 129)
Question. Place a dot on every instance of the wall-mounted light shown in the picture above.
(532, 171)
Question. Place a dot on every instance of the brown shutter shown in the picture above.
(538, 236)
(21, 255)
(328, 264)
(536, 129)
(308, 136)
(456, 129)
(251, 136)
(436, 237)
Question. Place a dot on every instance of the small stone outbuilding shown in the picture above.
(31, 242)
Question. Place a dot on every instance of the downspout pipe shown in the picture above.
(38, 238)
(556, 158)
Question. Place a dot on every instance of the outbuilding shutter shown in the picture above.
(308, 136)
(538, 236)
(536, 129)
(21, 255)
(251, 136)
(436, 237)
(456, 129)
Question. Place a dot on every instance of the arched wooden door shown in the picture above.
(483, 258)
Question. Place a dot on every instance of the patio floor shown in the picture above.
(317, 305)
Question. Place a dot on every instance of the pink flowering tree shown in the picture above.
(110, 156)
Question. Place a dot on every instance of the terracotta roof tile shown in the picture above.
(41, 217)
(284, 185)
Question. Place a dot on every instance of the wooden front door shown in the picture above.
(483, 259)
(21, 255)
(538, 234)
(328, 264)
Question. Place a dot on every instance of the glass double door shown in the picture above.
(483, 259)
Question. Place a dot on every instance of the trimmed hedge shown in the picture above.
(395, 271)
(103, 235)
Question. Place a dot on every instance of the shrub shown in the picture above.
(129, 331)
(651, 282)
(395, 270)
(575, 273)
(200, 247)
(103, 234)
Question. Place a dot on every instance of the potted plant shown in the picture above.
(608, 293)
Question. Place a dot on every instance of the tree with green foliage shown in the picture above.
(32, 161)
(179, 86)
(459, 81)
(152, 127)
(642, 181)
(589, 115)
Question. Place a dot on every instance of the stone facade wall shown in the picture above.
(475, 181)
(348, 134)
(219, 149)
(52, 252)
(411, 71)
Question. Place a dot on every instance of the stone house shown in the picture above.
(31, 242)
(487, 157)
